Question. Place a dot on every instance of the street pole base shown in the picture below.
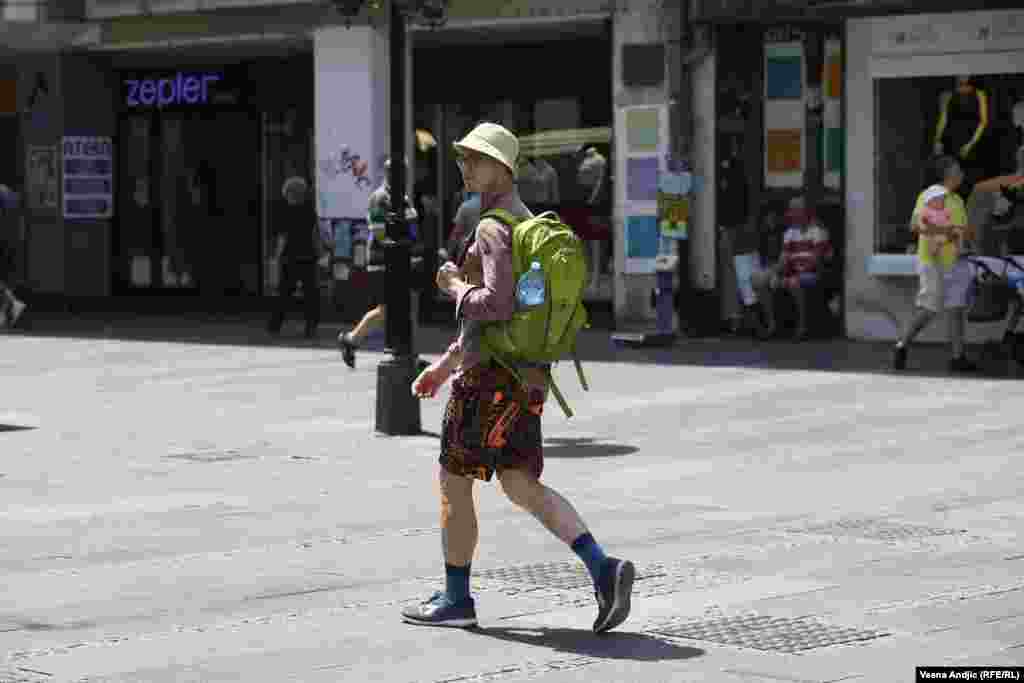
(398, 411)
(645, 339)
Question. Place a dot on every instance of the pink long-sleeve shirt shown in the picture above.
(494, 300)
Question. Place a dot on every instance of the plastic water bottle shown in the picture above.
(531, 290)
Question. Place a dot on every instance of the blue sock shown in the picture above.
(591, 553)
(456, 582)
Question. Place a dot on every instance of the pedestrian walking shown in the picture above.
(375, 318)
(944, 274)
(297, 247)
(485, 291)
(11, 307)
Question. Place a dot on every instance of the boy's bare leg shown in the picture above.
(459, 531)
(612, 577)
(549, 507)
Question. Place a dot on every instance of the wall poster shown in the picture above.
(88, 177)
(785, 89)
(41, 191)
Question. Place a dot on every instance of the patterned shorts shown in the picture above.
(470, 443)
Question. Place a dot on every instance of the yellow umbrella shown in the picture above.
(424, 140)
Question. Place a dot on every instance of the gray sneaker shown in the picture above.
(440, 611)
(614, 589)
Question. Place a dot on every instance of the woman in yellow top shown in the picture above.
(943, 272)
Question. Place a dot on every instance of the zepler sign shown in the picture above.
(177, 90)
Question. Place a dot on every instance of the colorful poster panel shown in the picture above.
(783, 149)
(641, 244)
(642, 126)
(673, 216)
(784, 66)
(642, 179)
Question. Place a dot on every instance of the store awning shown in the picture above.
(550, 143)
(773, 11)
(18, 37)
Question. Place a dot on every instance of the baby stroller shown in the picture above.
(996, 296)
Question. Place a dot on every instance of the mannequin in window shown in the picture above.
(591, 175)
(538, 183)
(962, 127)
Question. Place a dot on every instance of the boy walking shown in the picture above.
(484, 289)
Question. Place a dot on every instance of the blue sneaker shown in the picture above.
(440, 611)
(613, 593)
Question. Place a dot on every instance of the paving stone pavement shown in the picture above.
(207, 505)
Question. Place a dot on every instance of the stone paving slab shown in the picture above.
(190, 511)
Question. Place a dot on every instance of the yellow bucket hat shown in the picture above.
(494, 141)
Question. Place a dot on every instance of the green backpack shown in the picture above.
(543, 334)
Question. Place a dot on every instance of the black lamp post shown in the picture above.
(398, 411)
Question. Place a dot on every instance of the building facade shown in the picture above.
(842, 103)
(170, 126)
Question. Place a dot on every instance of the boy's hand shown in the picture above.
(430, 380)
(447, 276)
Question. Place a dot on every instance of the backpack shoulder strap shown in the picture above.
(562, 403)
(503, 216)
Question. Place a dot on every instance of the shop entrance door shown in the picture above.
(189, 204)
(779, 134)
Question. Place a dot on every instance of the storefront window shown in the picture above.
(564, 166)
(979, 119)
(187, 210)
(567, 170)
(561, 114)
(288, 151)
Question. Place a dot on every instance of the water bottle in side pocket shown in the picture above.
(530, 290)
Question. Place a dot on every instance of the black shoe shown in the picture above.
(962, 364)
(899, 358)
(310, 331)
(348, 350)
(614, 589)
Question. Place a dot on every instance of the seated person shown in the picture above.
(806, 248)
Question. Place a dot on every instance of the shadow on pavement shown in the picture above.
(14, 428)
(582, 447)
(819, 355)
(624, 645)
(826, 355)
